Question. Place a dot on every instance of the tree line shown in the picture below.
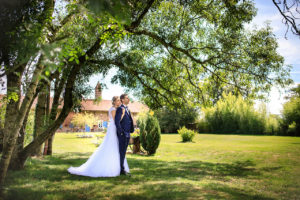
(233, 114)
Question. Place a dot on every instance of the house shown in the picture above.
(100, 110)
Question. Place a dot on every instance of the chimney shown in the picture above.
(98, 91)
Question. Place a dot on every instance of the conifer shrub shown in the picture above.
(149, 133)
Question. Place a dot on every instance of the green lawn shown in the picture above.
(212, 167)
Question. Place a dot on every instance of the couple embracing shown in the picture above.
(109, 158)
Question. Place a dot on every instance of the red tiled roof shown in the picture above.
(104, 105)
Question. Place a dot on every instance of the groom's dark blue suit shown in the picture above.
(124, 128)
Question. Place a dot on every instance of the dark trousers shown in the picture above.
(123, 144)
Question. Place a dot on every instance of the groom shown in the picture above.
(124, 124)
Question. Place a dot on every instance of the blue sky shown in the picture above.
(289, 48)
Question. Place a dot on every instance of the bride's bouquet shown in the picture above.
(136, 133)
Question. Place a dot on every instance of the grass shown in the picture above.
(211, 167)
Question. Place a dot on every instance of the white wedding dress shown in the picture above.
(105, 161)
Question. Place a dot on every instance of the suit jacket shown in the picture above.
(124, 125)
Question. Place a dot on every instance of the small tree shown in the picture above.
(149, 133)
(82, 119)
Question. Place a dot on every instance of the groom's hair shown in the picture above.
(123, 97)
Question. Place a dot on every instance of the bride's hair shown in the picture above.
(114, 99)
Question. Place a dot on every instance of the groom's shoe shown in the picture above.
(122, 173)
(125, 173)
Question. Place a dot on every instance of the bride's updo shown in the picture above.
(114, 99)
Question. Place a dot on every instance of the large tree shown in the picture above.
(23, 23)
(185, 52)
(171, 53)
(69, 69)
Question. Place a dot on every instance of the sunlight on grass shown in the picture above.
(211, 167)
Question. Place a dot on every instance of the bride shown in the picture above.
(105, 161)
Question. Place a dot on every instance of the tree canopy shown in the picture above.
(189, 52)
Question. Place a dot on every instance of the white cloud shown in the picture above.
(290, 50)
(260, 20)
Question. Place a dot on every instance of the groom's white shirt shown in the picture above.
(126, 108)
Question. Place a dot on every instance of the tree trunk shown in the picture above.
(19, 146)
(45, 152)
(58, 88)
(50, 145)
(40, 118)
(14, 116)
(136, 145)
(1, 139)
(45, 148)
(10, 128)
(14, 162)
(50, 131)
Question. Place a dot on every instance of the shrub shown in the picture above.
(149, 133)
(82, 119)
(187, 135)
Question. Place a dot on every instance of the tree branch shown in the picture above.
(288, 20)
(54, 31)
(137, 22)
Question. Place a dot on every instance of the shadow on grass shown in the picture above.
(152, 179)
(186, 142)
(188, 191)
